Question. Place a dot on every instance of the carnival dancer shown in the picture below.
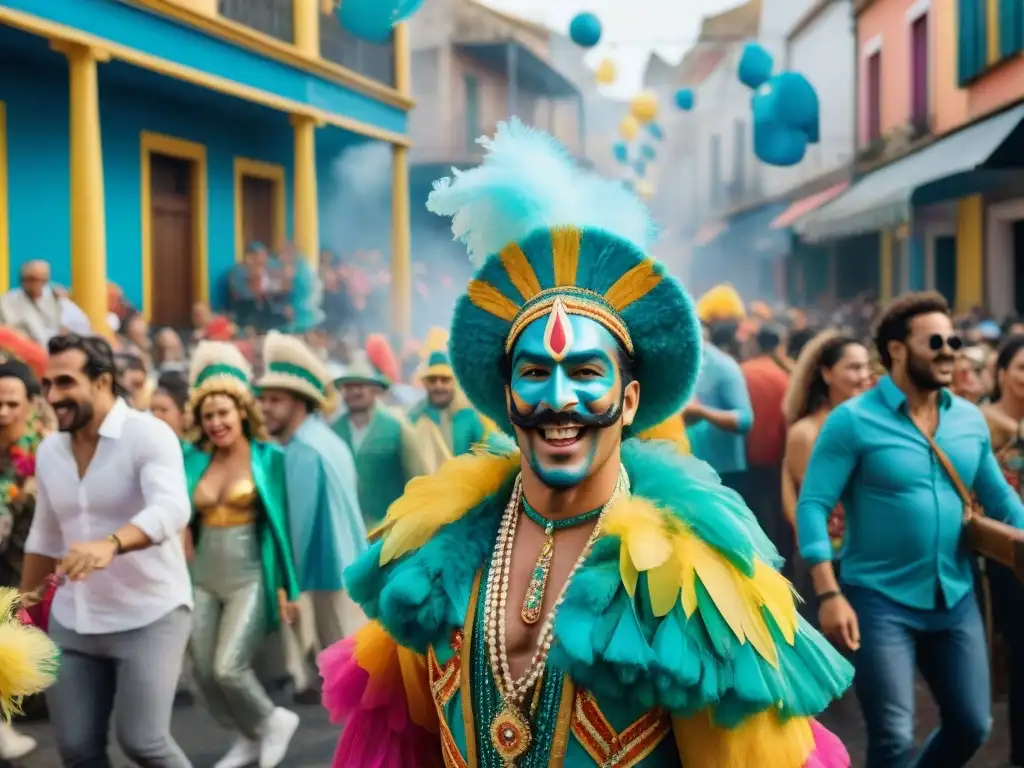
(326, 527)
(381, 439)
(243, 572)
(580, 600)
(446, 424)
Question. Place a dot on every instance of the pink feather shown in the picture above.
(829, 751)
(378, 731)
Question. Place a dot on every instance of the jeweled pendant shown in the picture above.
(510, 735)
(533, 603)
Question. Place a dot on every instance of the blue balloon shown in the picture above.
(786, 116)
(755, 66)
(684, 99)
(373, 20)
(640, 168)
(584, 29)
(621, 151)
(655, 131)
(648, 152)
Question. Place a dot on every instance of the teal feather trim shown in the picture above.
(420, 598)
(616, 646)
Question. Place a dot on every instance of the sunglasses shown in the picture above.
(937, 341)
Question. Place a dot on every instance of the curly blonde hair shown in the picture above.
(807, 389)
(253, 426)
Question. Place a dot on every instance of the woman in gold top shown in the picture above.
(244, 577)
(1005, 418)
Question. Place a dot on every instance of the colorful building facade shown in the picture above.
(939, 125)
(146, 142)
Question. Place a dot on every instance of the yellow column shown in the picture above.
(401, 238)
(401, 244)
(304, 202)
(88, 222)
(970, 250)
(885, 266)
(403, 60)
(306, 20)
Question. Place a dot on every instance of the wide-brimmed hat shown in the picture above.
(548, 236)
(292, 366)
(218, 367)
(361, 371)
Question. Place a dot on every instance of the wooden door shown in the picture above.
(258, 214)
(172, 245)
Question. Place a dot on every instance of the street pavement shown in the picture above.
(205, 742)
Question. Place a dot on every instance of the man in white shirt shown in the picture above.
(111, 507)
(34, 308)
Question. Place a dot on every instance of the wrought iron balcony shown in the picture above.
(271, 17)
(375, 61)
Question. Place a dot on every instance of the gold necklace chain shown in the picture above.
(514, 691)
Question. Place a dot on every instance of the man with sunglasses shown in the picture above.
(907, 595)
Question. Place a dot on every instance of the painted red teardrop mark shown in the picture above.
(558, 335)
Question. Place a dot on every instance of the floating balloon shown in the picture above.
(648, 152)
(629, 128)
(684, 99)
(584, 29)
(644, 107)
(640, 169)
(644, 189)
(784, 106)
(373, 20)
(606, 72)
(621, 151)
(655, 131)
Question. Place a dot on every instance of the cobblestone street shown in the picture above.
(205, 742)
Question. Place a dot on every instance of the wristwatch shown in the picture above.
(117, 543)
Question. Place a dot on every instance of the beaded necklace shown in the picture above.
(533, 602)
(510, 733)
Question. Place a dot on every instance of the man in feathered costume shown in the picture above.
(577, 598)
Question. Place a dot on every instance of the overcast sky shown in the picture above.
(632, 28)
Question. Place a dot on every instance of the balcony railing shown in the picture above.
(375, 61)
(271, 17)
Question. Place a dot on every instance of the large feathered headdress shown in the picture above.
(549, 240)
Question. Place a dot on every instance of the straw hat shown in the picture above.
(219, 367)
(292, 366)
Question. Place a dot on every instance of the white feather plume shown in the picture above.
(528, 181)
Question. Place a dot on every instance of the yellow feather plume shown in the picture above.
(655, 543)
(434, 501)
(671, 429)
(28, 659)
(436, 341)
(720, 303)
(763, 741)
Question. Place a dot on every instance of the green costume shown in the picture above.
(243, 558)
(387, 458)
(459, 426)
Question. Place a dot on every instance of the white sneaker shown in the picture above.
(277, 735)
(14, 745)
(245, 752)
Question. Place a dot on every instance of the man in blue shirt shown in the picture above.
(720, 415)
(907, 584)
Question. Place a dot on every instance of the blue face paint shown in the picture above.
(564, 372)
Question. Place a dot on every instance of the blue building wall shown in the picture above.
(38, 165)
(139, 29)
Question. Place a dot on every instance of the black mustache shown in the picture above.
(70, 404)
(945, 359)
(544, 418)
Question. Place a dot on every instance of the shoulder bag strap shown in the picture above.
(947, 465)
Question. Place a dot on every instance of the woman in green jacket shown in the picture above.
(243, 572)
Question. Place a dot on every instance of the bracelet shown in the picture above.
(826, 596)
(117, 543)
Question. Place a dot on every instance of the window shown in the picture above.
(715, 172)
(919, 70)
(472, 86)
(873, 95)
(988, 32)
